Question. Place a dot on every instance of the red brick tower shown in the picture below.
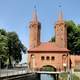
(61, 32)
(35, 28)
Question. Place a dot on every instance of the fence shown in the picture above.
(14, 71)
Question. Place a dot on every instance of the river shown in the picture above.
(46, 77)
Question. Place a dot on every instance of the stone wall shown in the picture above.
(31, 76)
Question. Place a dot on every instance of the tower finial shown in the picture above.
(34, 14)
(60, 14)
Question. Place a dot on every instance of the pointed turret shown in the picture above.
(34, 15)
(35, 28)
(61, 32)
(60, 17)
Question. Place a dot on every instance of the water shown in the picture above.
(46, 77)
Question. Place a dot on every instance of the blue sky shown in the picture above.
(16, 14)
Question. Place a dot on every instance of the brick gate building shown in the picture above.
(53, 54)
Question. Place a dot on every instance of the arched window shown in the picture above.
(52, 58)
(42, 57)
(32, 55)
(47, 58)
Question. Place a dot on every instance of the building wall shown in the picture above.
(60, 40)
(57, 62)
(61, 34)
(75, 60)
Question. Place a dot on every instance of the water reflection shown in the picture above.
(46, 77)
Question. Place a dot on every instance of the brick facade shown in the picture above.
(55, 53)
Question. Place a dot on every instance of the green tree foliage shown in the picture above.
(73, 33)
(73, 37)
(3, 46)
(11, 47)
(52, 39)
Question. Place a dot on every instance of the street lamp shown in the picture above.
(33, 62)
(64, 65)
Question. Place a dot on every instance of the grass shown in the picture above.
(65, 75)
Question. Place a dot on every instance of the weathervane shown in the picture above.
(34, 15)
(60, 5)
(35, 8)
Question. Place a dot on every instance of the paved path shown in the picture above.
(9, 72)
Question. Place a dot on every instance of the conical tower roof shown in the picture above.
(60, 17)
(34, 15)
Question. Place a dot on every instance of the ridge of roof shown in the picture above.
(48, 46)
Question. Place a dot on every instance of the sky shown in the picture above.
(15, 15)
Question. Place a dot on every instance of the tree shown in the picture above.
(73, 37)
(52, 39)
(11, 47)
(15, 48)
(3, 46)
(73, 33)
